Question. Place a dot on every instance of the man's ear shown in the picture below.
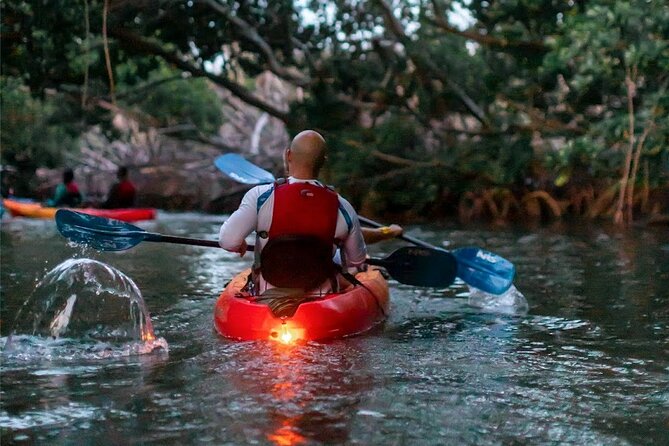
(286, 156)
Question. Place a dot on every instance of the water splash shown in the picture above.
(510, 302)
(86, 305)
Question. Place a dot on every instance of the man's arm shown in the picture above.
(374, 235)
(355, 251)
(241, 223)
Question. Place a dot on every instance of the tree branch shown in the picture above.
(137, 44)
(249, 32)
(539, 123)
(396, 28)
(398, 160)
(148, 86)
(440, 22)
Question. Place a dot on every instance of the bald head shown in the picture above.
(306, 154)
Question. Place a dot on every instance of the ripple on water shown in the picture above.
(510, 302)
(51, 416)
(33, 348)
(441, 372)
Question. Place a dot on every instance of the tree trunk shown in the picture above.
(635, 170)
(631, 91)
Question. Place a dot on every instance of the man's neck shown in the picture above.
(294, 179)
(302, 174)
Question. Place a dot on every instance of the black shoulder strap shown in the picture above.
(350, 277)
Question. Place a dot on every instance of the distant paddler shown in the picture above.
(67, 193)
(122, 193)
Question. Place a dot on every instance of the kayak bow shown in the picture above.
(36, 210)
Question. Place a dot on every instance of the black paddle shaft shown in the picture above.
(161, 238)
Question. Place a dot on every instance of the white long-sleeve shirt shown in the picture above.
(255, 214)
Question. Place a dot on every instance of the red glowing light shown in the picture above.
(287, 334)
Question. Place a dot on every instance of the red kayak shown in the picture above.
(36, 210)
(335, 315)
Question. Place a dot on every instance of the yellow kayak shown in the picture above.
(36, 210)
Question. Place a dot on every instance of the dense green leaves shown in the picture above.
(179, 101)
(34, 131)
(602, 53)
(433, 98)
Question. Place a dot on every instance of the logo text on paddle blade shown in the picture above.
(486, 256)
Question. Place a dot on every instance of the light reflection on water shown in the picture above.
(588, 363)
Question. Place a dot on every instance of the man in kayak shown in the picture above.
(299, 205)
(67, 193)
(122, 193)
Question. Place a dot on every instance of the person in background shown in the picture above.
(122, 193)
(6, 189)
(67, 193)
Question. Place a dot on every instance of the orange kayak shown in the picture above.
(36, 210)
(335, 315)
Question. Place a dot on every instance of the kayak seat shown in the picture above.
(283, 302)
(297, 262)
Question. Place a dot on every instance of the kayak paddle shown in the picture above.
(408, 265)
(239, 169)
(107, 234)
(419, 266)
(479, 268)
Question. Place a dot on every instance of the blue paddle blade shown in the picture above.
(239, 169)
(484, 270)
(100, 233)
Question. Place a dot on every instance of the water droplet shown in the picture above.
(91, 303)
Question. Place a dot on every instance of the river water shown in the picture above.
(587, 364)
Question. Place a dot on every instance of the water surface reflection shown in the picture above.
(587, 364)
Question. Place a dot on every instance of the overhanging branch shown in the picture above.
(250, 34)
(426, 64)
(137, 44)
(495, 42)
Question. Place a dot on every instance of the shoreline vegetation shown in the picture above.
(493, 205)
(441, 109)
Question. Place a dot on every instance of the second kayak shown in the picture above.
(335, 315)
(36, 210)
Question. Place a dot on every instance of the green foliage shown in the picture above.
(34, 132)
(181, 101)
(601, 51)
(359, 175)
(529, 88)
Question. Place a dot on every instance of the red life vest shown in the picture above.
(72, 188)
(126, 189)
(304, 209)
(298, 253)
(126, 194)
(72, 195)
